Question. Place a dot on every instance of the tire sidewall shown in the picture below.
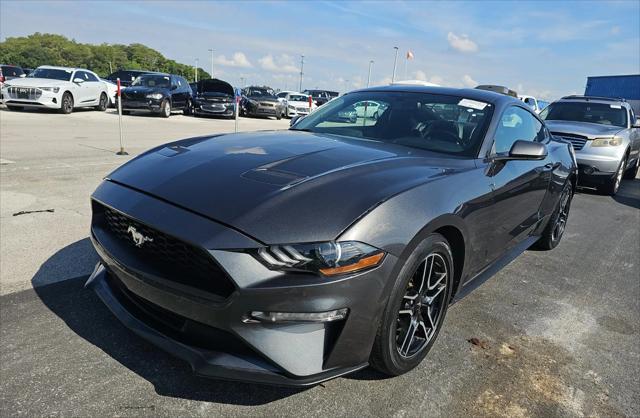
(166, 104)
(392, 359)
(63, 108)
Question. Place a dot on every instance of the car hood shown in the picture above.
(281, 186)
(264, 99)
(590, 130)
(37, 82)
(145, 90)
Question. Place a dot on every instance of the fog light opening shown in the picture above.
(276, 317)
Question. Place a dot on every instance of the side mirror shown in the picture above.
(78, 80)
(525, 150)
(174, 87)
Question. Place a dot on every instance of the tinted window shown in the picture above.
(91, 77)
(260, 92)
(11, 71)
(600, 113)
(51, 73)
(440, 123)
(152, 80)
(516, 124)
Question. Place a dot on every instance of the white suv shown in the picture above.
(56, 88)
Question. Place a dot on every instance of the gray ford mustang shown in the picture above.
(292, 257)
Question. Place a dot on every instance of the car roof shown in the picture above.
(594, 99)
(474, 94)
(55, 67)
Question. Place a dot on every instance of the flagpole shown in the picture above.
(395, 61)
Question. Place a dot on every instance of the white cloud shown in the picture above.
(615, 30)
(420, 75)
(238, 60)
(282, 64)
(461, 43)
(468, 81)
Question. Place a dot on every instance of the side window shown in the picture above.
(82, 75)
(174, 82)
(516, 124)
(91, 77)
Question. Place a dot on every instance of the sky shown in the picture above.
(541, 48)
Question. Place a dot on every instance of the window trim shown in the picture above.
(522, 105)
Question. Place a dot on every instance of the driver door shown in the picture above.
(519, 186)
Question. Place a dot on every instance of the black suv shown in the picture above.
(158, 93)
(126, 76)
(321, 97)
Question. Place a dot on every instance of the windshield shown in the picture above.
(434, 122)
(52, 73)
(298, 98)
(260, 92)
(600, 113)
(152, 80)
(11, 71)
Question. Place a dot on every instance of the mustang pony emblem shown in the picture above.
(138, 238)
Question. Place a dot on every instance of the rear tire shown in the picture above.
(613, 184)
(416, 308)
(554, 230)
(188, 108)
(66, 105)
(632, 172)
(103, 103)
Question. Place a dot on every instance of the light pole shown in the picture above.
(369, 76)
(301, 71)
(211, 50)
(196, 70)
(395, 61)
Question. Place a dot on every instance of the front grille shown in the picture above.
(161, 254)
(267, 105)
(24, 93)
(577, 141)
(302, 109)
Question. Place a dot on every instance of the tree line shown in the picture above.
(50, 49)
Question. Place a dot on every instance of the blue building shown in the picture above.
(619, 86)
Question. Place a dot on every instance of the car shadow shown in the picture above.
(628, 193)
(84, 313)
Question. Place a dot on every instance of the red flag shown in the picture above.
(118, 83)
(409, 55)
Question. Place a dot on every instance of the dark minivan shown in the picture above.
(158, 93)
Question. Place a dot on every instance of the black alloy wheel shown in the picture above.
(416, 308)
(554, 230)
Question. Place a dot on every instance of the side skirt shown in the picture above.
(493, 268)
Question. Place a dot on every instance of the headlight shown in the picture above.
(156, 96)
(606, 142)
(291, 107)
(52, 89)
(327, 258)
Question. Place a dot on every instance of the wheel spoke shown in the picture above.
(408, 337)
(424, 271)
(405, 312)
(441, 277)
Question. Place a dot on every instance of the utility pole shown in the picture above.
(196, 70)
(395, 62)
(211, 50)
(369, 76)
(301, 71)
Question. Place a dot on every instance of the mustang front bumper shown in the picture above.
(212, 332)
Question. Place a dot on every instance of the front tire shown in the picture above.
(165, 108)
(613, 184)
(416, 308)
(554, 230)
(66, 105)
(632, 172)
(103, 103)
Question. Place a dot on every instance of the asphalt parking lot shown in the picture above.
(557, 333)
